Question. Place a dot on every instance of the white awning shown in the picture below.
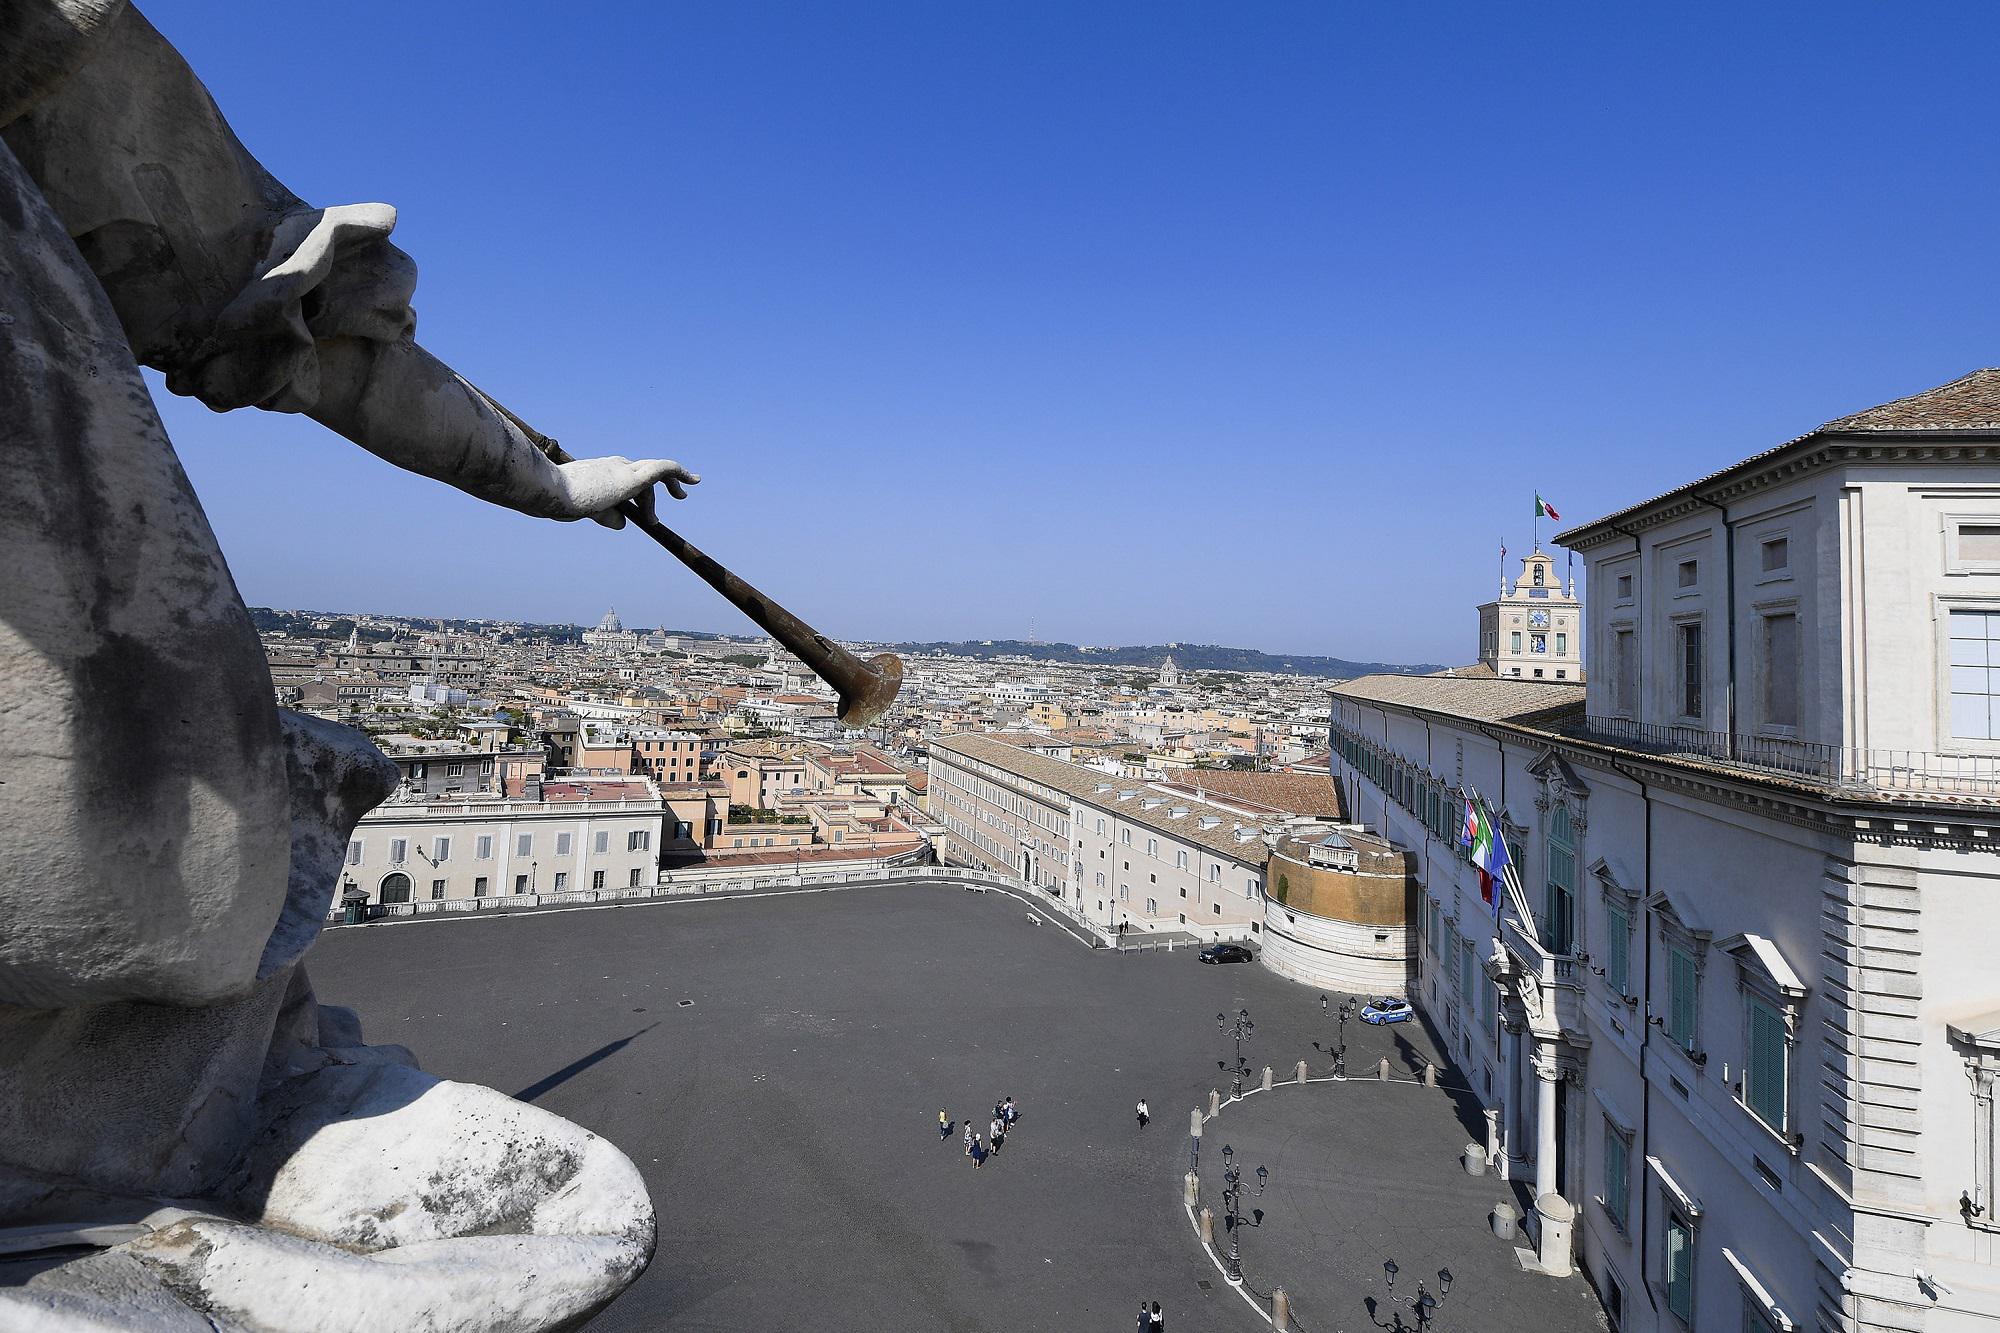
(1773, 963)
(1758, 1293)
(1689, 1204)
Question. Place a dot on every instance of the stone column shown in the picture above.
(1546, 1075)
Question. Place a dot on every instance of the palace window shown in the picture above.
(1975, 675)
(1677, 1266)
(1617, 1198)
(1781, 671)
(1690, 669)
(1683, 984)
(1559, 929)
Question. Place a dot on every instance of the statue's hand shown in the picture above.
(595, 487)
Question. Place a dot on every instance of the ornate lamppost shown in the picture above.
(1232, 1213)
(1240, 1030)
(1338, 1053)
(1425, 1303)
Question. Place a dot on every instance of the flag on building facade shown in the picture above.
(1543, 509)
(1488, 849)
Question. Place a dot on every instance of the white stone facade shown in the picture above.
(1745, 1015)
(478, 848)
(1335, 955)
(1534, 630)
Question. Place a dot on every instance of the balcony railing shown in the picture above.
(1909, 773)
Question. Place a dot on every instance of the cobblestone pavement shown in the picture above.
(1363, 1172)
(775, 1065)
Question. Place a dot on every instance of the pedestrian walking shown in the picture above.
(1144, 1114)
(1156, 1322)
(1009, 1114)
(970, 1133)
(1145, 1319)
(979, 1153)
(944, 1125)
(997, 1133)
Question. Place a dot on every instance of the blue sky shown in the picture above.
(1251, 324)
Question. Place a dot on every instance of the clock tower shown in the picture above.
(1534, 631)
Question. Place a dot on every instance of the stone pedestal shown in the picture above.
(1557, 1216)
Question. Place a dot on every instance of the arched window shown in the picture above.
(395, 887)
(1559, 930)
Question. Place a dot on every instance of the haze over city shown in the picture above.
(1120, 323)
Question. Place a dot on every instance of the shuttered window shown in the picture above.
(1560, 928)
(1618, 949)
(1678, 1269)
(1765, 1077)
(1617, 1175)
(1680, 997)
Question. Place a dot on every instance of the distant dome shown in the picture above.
(611, 624)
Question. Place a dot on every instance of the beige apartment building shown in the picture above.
(580, 835)
(1119, 853)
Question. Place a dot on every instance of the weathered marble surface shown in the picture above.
(172, 1094)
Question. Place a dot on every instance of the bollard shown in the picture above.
(1302, 1071)
(1506, 1220)
(1281, 1311)
(1474, 1158)
(1267, 1078)
(1430, 1076)
(1382, 1070)
(1195, 1128)
(1214, 1102)
(1192, 1189)
(1207, 1225)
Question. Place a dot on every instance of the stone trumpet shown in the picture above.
(866, 687)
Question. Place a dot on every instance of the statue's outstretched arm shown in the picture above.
(246, 296)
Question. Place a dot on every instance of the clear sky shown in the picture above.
(1251, 324)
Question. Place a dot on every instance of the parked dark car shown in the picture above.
(1227, 953)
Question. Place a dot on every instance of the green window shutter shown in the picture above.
(1680, 1268)
(1681, 997)
(1617, 1174)
(1764, 1081)
(1617, 946)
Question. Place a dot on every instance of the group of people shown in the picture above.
(1151, 1320)
(977, 1146)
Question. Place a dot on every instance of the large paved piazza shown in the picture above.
(786, 1119)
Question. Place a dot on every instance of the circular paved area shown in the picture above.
(1363, 1172)
(786, 1120)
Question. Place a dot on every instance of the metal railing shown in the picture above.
(1845, 768)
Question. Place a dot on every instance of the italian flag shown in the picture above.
(1543, 509)
(1489, 850)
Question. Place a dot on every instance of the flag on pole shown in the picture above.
(1489, 850)
(1543, 509)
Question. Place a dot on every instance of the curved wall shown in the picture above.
(1336, 955)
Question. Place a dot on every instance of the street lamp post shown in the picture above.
(1240, 1030)
(1232, 1211)
(1424, 1303)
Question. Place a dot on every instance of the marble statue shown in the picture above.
(188, 1139)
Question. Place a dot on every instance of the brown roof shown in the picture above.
(1295, 793)
(1488, 700)
(1969, 404)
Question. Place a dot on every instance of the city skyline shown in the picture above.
(1126, 322)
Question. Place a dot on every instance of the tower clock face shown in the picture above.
(1539, 619)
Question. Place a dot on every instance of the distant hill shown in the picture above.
(1187, 656)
